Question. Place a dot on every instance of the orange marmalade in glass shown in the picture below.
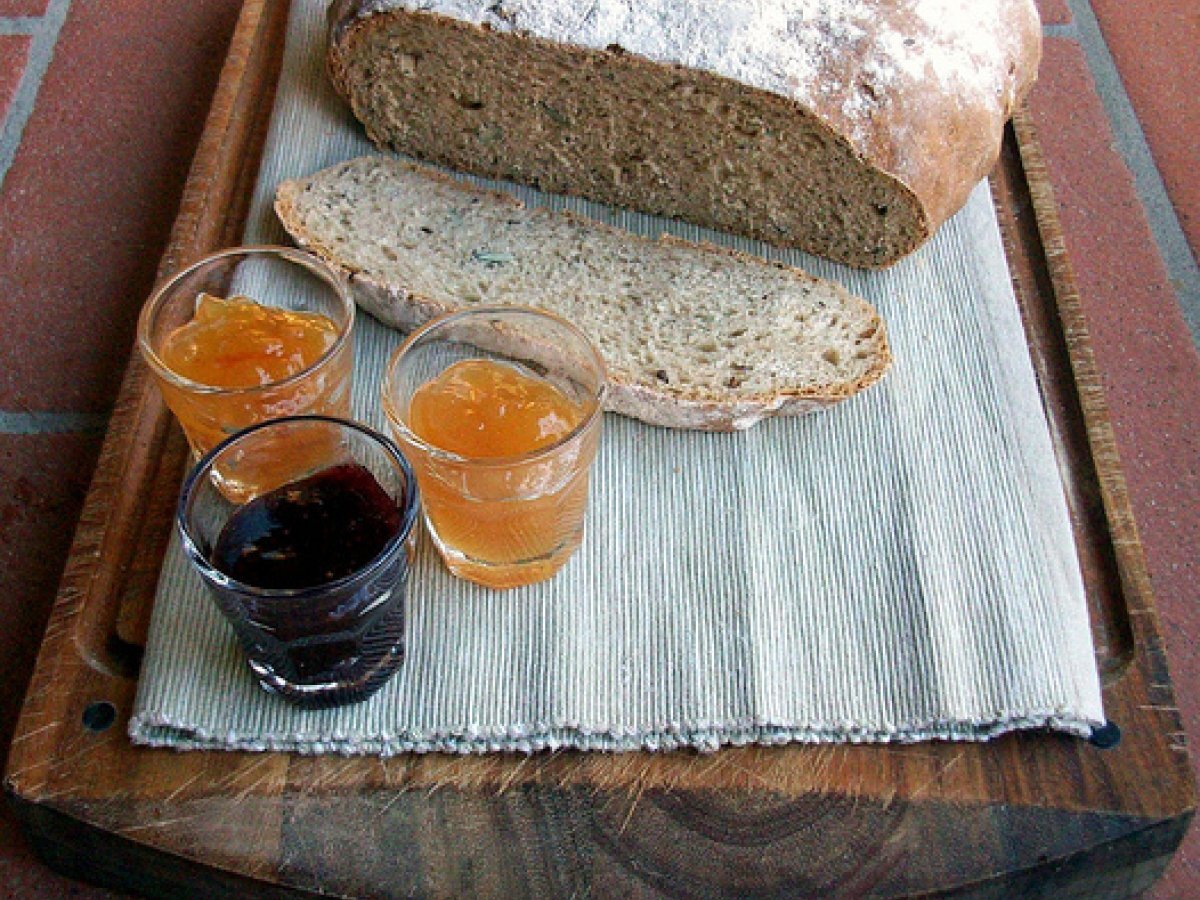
(238, 362)
(236, 343)
(501, 513)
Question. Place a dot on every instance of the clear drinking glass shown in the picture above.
(502, 521)
(276, 277)
(311, 572)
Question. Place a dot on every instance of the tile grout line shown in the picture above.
(45, 38)
(30, 423)
(1130, 141)
(1061, 30)
(20, 25)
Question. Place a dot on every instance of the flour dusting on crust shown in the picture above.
(801, 49)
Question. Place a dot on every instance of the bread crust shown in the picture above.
(401, 308)
(931, 143)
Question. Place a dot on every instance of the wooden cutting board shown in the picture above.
(1032, 812)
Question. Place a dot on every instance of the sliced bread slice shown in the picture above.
(693, 336)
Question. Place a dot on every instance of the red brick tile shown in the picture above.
(22, 8)
(1054, 12)
(43, 479)
(1151, 370)
(14, 52)
(88, 203)
(1162, 87)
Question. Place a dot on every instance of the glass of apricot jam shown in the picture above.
(499, 410)
(311, 571)
(249, 334)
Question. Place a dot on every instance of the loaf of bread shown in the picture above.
(849, 128)
(692, 336)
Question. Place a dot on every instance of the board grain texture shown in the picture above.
(1034, 814)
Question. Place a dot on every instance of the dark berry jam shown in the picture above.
(339, 638)
(309, 532)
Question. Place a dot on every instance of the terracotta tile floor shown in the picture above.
(95, 144)
(1162, 87)
(1054, 12)
(14, 51)
(11, 9)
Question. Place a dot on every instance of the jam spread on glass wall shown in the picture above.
(237, 343)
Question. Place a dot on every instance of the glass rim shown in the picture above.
(409, 512)
(309, 261)
(585, 424)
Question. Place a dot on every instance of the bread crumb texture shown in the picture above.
(851, 128)
(954, 47)
(673, 320)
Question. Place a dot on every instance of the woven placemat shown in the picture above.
(900, 567)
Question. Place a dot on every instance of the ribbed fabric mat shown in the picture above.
(900, 567)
